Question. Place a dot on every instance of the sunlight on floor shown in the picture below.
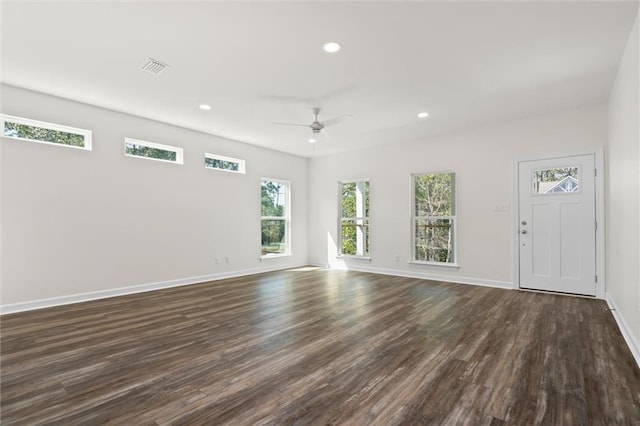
(306, 269)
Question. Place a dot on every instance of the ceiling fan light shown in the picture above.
(312, 140)
(332, 47)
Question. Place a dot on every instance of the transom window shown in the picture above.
(354, 218)
(227, 164)
(152, 151)
(434, 218)
(42, 132)
(275, 217)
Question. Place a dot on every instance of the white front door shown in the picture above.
(557, 224)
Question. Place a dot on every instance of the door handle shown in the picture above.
(524, 231)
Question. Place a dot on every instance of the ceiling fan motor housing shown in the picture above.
(316, 126)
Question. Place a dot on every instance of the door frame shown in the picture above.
(600, 216)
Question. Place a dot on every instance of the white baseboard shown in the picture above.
(632, 342)
(426, 276)
(103, 294)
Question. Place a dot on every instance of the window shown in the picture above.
(152, 151)
(275, 218)
(228, 164)
(434, 218)
(49, 133)
(554, 181)
(354, 218)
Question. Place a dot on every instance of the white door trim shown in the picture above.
(600, 217)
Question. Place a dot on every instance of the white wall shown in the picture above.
(623, 189)
(483, 160)
(76, 221)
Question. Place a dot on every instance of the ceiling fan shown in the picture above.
(316, 126)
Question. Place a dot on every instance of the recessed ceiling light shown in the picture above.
(423, 115)
(312, 141)
(331, 47)
(205, 107)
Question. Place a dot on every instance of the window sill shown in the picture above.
(452, 266)
(350, 256)
(274, 256)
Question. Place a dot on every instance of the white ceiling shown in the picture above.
(466, 63)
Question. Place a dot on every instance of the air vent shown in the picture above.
(154, 67)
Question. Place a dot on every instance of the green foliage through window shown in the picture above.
(273, 237)
(219, 162)
(215, 163)
(354, 218)
(434, 194)
(42, 134)
(434, 217)
(150, 152)
(274, 217)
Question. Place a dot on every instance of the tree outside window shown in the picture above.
(434, 217)
(152, 151)
(49, 133)
(275, 217)
(354, 218)
(138, 150)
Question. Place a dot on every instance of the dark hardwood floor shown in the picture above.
(320, 347)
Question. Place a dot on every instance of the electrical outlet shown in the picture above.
(227, 259)
(217, 260)
(397, 258)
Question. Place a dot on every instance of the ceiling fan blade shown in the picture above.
(292, 124)
(336, 120)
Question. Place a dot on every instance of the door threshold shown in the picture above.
(558, 293)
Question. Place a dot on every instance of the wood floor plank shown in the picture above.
(319, 347)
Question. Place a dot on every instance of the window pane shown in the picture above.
(355, 199)
(354, 222)
(273, 237)
(219, 162)
(434, 240)
(275, 217)
(149, 152)
(24, 131)
(434, 194)
(560, 180)
(349, 199)
(215, 163)
(274, 198)
(355, 237)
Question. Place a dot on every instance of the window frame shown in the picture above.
(179, 151)
(4, 118)
(453, 219)
(241, 163)
(286, 219)
(342, 218)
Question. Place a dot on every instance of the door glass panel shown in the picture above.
(556, 181)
